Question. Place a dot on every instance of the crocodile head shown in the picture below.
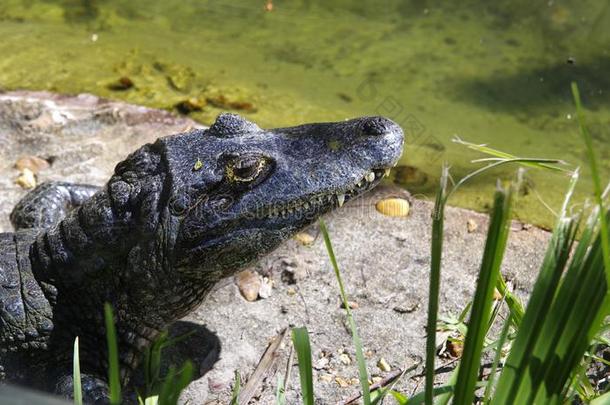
(238, 191)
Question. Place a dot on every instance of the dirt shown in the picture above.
(384, 260)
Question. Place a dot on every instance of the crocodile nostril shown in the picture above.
(375, 126)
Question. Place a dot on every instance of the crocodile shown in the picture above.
(176, 216)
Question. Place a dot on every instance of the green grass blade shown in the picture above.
(236, 389)
(280, 392)
(566, 338)
(602, 399)
(166, 387)
(445, 397)
(435, 281)
(300, 340)
(175, 383)
(401, 399)
(114, 380)
(181, 382)
(494, 367)
(418, 399)
(513, 302)
(152, 363)
(362, 373)
(596, 180)
(539, 305)
(76, 380)
(481, 308)
(536, 163)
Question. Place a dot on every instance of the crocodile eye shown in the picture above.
(246, 169)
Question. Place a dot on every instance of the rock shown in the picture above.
(455, 348)
(304, 238)
(33, 163)
(393, 207)
(383, 365)
(345, 359)
(342, 382)
(350, 304)
(321, 363)
(27, 179)
(222, 102)
(292, 272)
(265, 288)
(471, 225)
(325, 377)
(406, 306)
(122, 84)
(189, 105)
(249, 283)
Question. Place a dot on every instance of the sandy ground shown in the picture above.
(384, 261)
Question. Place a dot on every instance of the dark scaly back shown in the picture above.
(25, 312)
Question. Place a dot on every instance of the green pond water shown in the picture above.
(489, 72)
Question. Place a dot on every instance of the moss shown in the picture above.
(436, 70)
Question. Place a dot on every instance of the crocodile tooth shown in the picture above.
(370, 176)
(386, 172)
(359, 184)
(306, 205)
(340, 199)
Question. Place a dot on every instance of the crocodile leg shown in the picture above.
(49, 203)
(94, 389)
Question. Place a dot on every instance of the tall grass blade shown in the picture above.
(536, 163)
(578, 304)
(152, 363)
(76, 380)
(481, 308)
(236, 389)
(596, 180)
(362, 373)
(496, 362)
(300, 340)
(540, 302)
(436, 249)
(114, 380)
(513, 302)
(174, 383)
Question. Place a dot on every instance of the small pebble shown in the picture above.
(383, 365)
(471, 226)
(27, 179)
(33, 163)
(342, 382)
(454, 348)
(322, 363)
(124, 83)
(351, 304)
(304, 238)
(325, 377)
(345, 359)
(189, 105)
(265, 288)
(249, 284)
